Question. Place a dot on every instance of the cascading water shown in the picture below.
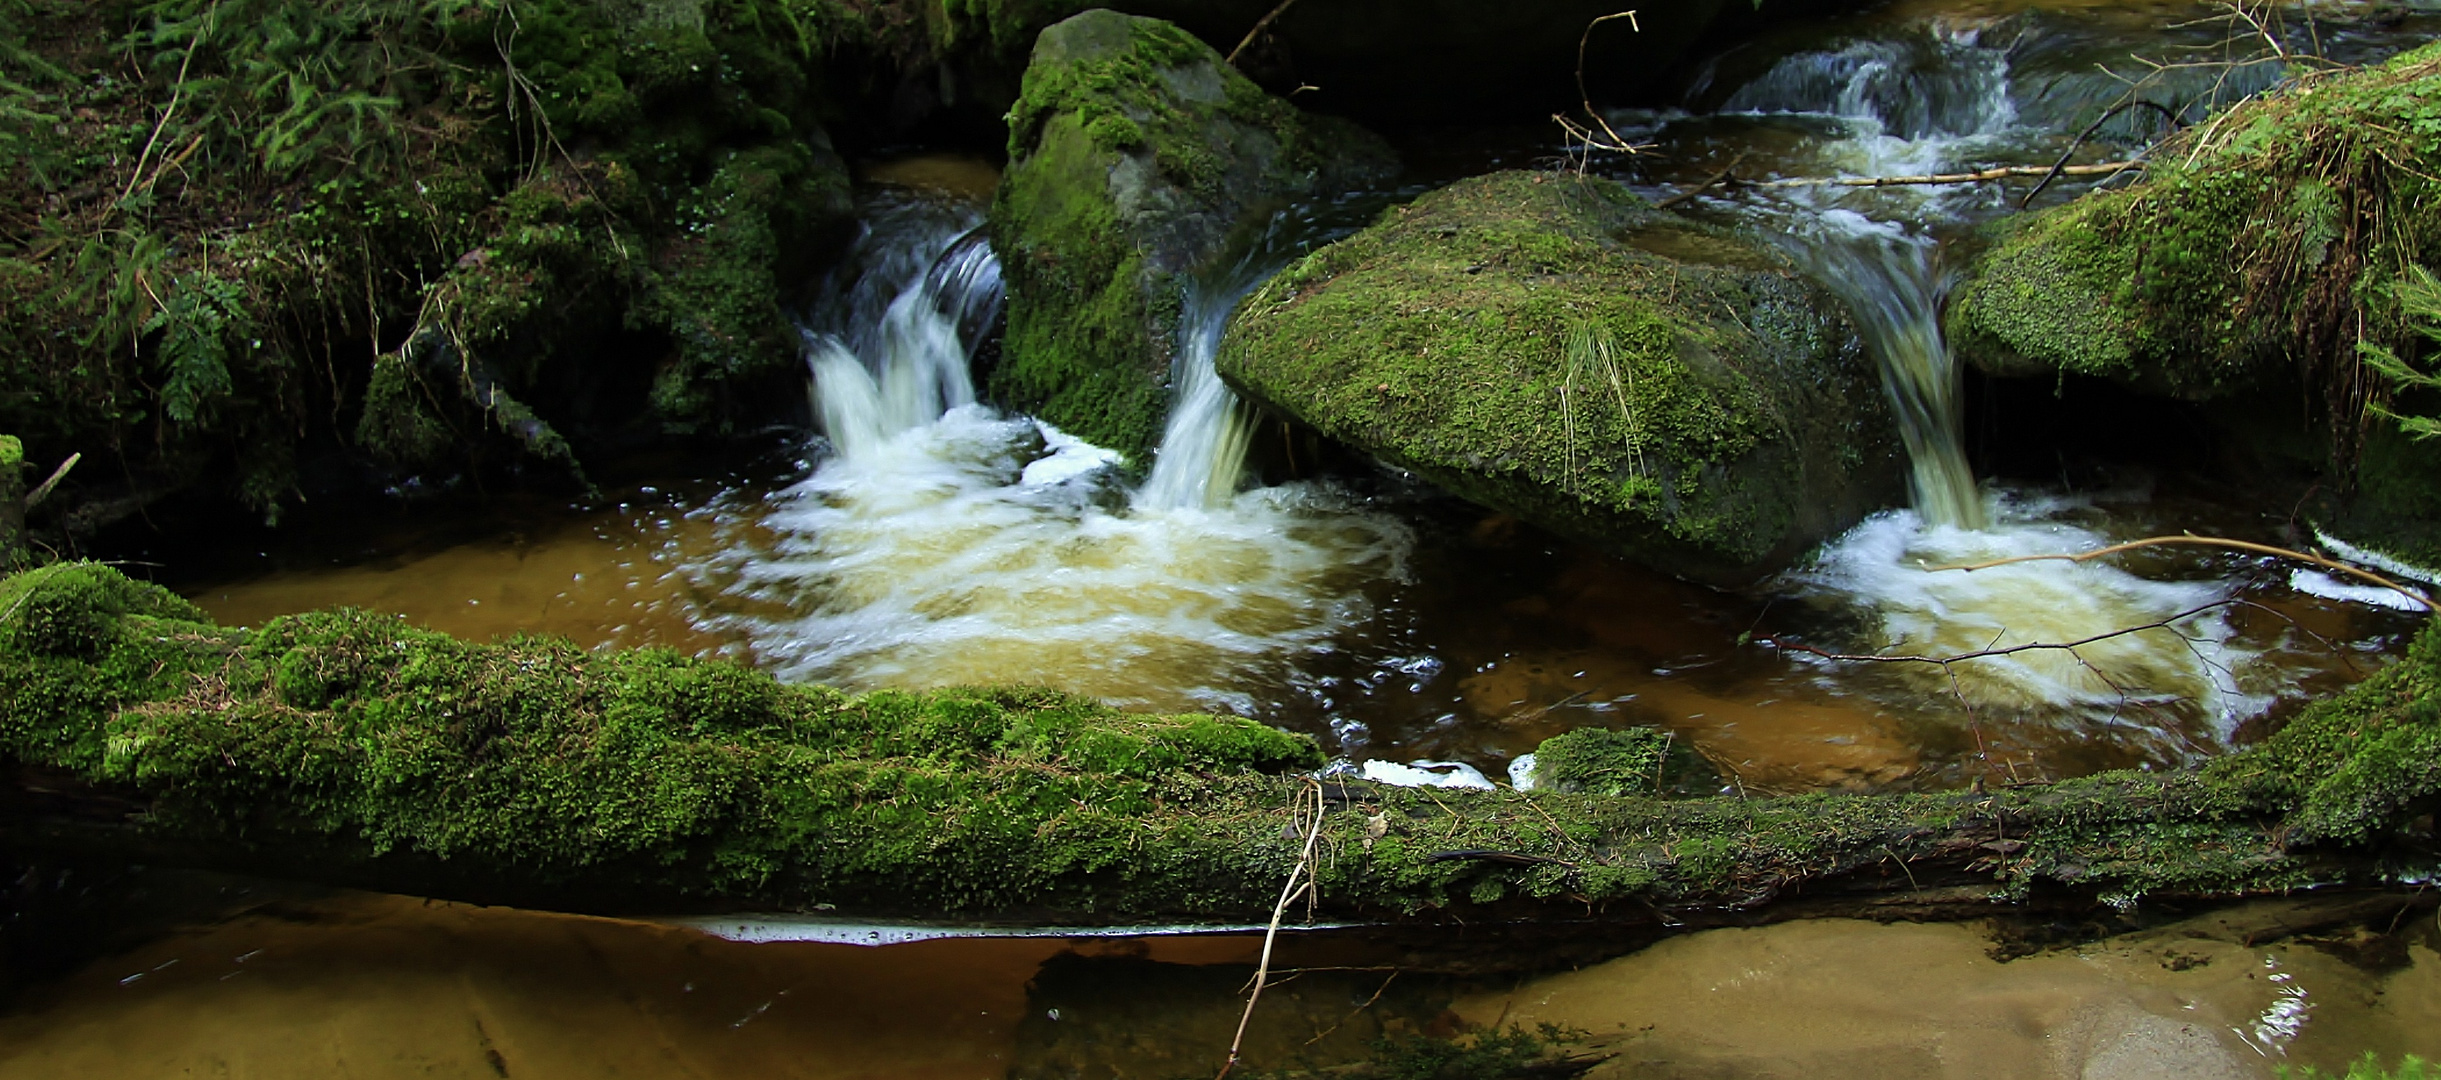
(1895, 108)
(1940, 102)
(1203, 445)
(943, 543)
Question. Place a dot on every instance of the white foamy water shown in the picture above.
(945, 543)
(1886, 569)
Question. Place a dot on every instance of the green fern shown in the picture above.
(2419, 297)
(198, 317)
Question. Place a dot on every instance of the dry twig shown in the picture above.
(2003, 172)
(2203, 541)
(1300, 880)
(1260, 25)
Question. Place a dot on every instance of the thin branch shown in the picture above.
(1343, 1021)
(1260, 25)
(2203, 541)
(43, 491)
(2004, 650)
(2058, 167)
(1709, 183)
(1585, 98)
(1302, 872)
(2003, 172)
(177, 93)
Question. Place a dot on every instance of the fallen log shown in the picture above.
(351, 748)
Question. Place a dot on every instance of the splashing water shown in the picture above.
(945, 543)
(2187, 665)
(1940, 102)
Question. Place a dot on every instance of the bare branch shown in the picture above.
(2203, 541)
(2003, 172)
(2004, 650)
(1260, 25)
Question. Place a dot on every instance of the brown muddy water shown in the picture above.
(374, 986)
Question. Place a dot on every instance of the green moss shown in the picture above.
(718, 288)
(384, 168)
(1548, 345)
(2368, 1067)
(1133, 152)
(12, 452)
(1602, 762)
(647, 778)
(2242, 249)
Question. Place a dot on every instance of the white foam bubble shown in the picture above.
(1437, 774)
(1887, 567)
(2317, 583)
(1521, 772)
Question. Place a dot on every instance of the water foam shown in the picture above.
(945, 543)
(1883, 569)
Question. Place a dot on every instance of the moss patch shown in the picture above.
(1550, 346)
(192, 295)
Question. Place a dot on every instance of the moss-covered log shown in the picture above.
(348, 747)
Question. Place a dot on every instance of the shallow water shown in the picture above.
(381, 986)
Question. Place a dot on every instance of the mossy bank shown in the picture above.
(349, 747)
(1549, 345)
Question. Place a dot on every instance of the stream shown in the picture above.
(924, 538)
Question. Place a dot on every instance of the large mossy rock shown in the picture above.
(2257, 253)
(1550, 346)
(2254, 240)
(1133, 153)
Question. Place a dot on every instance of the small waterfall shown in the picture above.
(1938, 101)
(1891, 284)
(1902, 106)
(1203, 445)
(945, 543)
(896, 351)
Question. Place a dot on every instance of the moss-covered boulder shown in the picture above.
(2261, 249)
(1550, 346)
(2253, 240)
(1133, 153)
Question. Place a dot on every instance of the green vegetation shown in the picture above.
(237, 234)
(1548, 345)
(2369, 1067)
(2285, 241)
(353, 747)
(1133, 152)
(2280, 230)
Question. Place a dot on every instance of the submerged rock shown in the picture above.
(1552, 347)
(1133, 153)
